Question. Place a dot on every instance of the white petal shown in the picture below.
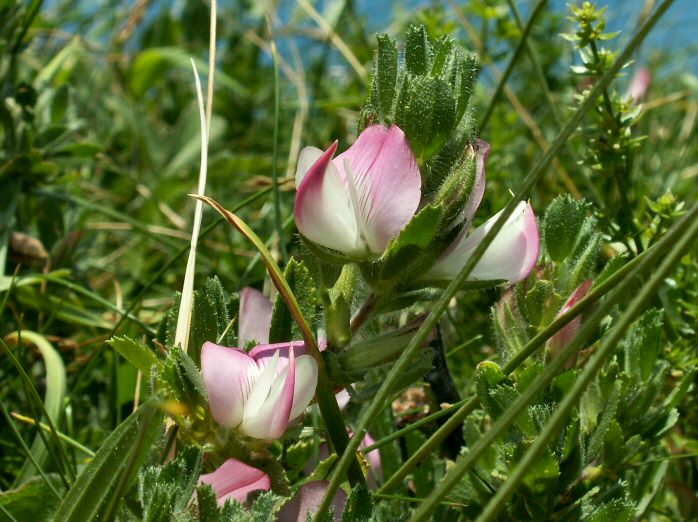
(306, 382)
(260, 391)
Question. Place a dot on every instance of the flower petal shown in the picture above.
(562, 338)
(511, 256)
(254, 317)
(271, 420)
(234, 480)
(307, 500)
(323, 209)
(306, 382)
(482, 153)
(388, 182)
(260, 391)
(263, 353)
(228, 374)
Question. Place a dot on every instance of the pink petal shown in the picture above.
(343, 398)
(373, 458)
(639, 84)
(323, 209)
(511, 256)
(561, 339)
(271, 420)
(307, 500)
(228, 376)
(263, 353)
(388, 182)
(254, 317)
(234, 480)
(482, 153)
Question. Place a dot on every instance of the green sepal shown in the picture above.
(182, 378)
(410, 244)
(429, 115)
(385, 77)
(417, 50)
(337, 321)
(375, 351)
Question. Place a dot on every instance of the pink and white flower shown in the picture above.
(234, 480)
(260, 392)
(356, 202)
(513, 253)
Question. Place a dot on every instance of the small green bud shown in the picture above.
(338, 318)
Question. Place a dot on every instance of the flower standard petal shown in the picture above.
(234, 480)
(271, 419)
(323, 209)
(254, 317)
(387, 180)
(511, 256)
(228, 376)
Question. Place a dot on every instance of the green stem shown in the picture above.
(607, 347)
(441, 304)
(62, 436)
(551, 370)
(515, 58)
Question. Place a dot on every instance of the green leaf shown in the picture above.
(607, 417)
(561, 224)
(616, 510)
(283, 327)
(32, 501)
(542, 477)
(93, 488)
(140, 356)
(166, 491)
(359, 506)
(641, 344)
